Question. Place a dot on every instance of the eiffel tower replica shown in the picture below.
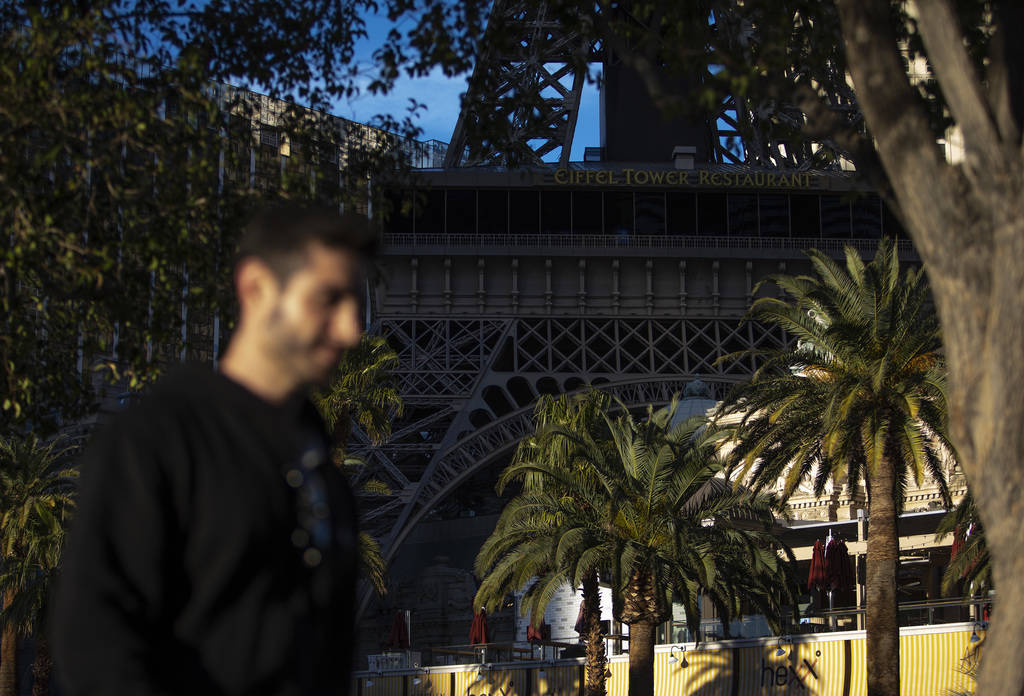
(630, 271)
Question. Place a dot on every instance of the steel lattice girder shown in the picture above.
(524, 87)
(448, 365)
(526, 90)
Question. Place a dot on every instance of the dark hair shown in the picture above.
(280, 236)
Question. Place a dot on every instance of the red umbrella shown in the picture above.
(540, 633)
(961, 539)
(838, 570)
(581, 618)
(478, 631)
(816, 578)
(958, 543)
(399, 636)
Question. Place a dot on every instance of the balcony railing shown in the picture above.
(399, 240)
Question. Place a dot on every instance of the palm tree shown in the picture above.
(26, 582)
(578, 413)
(652, 509)
(372, 565)
(860, 397)
(675, 526)
(36, 499)
(764, 584)
(972, 563)
(364, 391)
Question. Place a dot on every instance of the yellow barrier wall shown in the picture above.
(933, 660)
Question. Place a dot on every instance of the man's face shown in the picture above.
(316, 315)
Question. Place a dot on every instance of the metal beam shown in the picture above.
(533, 89)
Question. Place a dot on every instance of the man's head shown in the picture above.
(300, 279)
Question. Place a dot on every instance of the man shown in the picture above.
(214, 547)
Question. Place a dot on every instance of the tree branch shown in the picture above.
(943, 40)
(824, 123)
(930, 191)
(1006, 60)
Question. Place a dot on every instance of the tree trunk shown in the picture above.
(987, 421)
(596, 662)
(8, 656)
(882, 622)
(643, 608)
(641, 658)
(41, 668)
(967, 222)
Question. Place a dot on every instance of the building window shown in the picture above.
(587, 212)
(399, 209)
(524, 212)
(711, 215)
(460, 211)
(268, 136)
(867, 217)
(430, 212)
(618, 213)
(835, 217)
(805, 216)
(493, 215)
(742, 215)
(773, 214)
(891, 225)
(681, 213)
(555, 212)
(650, 213)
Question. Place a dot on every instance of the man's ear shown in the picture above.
(254, 284)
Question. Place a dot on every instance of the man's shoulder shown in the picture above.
(188, 382)
(183, 391)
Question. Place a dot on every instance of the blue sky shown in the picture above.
(441, 96)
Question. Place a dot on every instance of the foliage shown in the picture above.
(78, 272)
(642, 503)
(372, 565)
(654, 501)
(864, 384)
(972, 564)
(127, 173)
(36, 496)
(36, 501)
(860, 397)
(581, 413)
(363, 391)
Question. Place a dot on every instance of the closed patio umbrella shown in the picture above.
(958, 543)
(838, 569)
(816, 578)
(399, 636)
(478, 630)
(581, 618)
(538, 633)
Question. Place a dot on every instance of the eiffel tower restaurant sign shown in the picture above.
(696, 178)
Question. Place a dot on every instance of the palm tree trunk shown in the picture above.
(641, 658)
(596, 662)
(882, 623)
(8, 656)
(41, 668)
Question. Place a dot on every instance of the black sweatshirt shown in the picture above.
(213, 551)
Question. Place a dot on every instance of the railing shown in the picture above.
(486, 653)
(921, 613)
(395, 660)
(611, 241)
